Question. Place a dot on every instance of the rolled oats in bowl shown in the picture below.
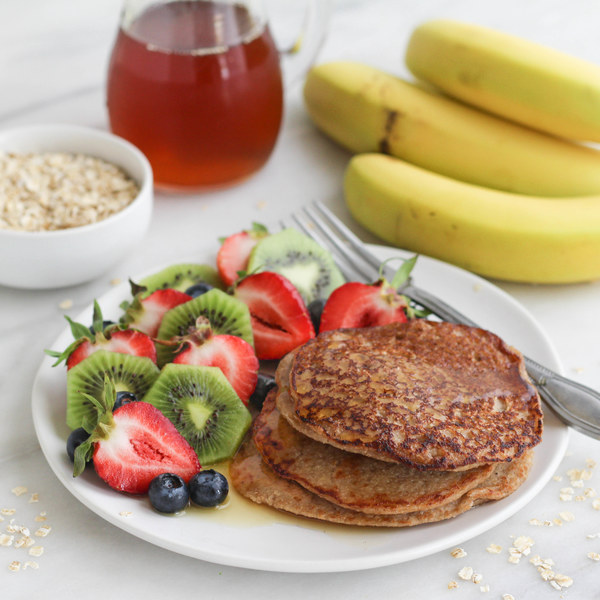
(58, 190)
(74, 202)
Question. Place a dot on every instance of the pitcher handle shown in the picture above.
(300, 56)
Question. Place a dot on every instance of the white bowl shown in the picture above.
(51, 259)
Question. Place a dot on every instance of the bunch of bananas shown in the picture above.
(475, 164)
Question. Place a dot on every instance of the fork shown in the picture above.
(575, 404)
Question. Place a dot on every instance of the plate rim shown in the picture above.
(502, 511)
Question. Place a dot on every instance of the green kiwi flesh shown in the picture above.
(301, 260)
(227, 315)
(130, 373)
(181, 277)
(204, 408)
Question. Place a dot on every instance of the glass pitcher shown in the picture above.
(197, 86)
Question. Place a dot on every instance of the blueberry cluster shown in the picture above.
(168, 493)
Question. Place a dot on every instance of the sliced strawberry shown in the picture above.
(142, 445)
(146, 314)
(133, 445)
(234, 252)
(125, 341)
(280, 319)
(233, 355)
(356, 304)
(115, 338)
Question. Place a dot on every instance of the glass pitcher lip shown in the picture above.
(135, 10)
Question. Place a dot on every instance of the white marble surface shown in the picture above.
(53, 59)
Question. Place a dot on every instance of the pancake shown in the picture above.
(432, 395)
(351, 480)
(253, 479)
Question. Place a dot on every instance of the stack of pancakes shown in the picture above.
(392, 426)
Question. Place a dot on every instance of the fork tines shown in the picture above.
(352, 257)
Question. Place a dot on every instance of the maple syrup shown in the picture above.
(197, 87)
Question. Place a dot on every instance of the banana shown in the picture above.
(509, 76)
(492, 233)
(367, 110)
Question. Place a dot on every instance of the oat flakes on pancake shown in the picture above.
(253, 479)
(429, 394)
(352, 480)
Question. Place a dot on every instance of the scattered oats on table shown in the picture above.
(59, 190)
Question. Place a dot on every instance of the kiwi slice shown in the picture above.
(181, 277)
(299, 258)
(204, 407)
(130, 374)
(227, 315)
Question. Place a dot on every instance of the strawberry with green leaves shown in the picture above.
(114, 338)
(133, 445)
(145, 312)
(356, 304)
(233, 255)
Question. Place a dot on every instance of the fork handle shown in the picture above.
(575, 404)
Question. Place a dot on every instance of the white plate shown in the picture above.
(259, 538)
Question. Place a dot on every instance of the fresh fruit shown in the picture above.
(233, 355)
(512, 77)
(280, 319)
(208, 488)
(105, 323)
(129, 373)
(181, 277)
(204, 408)
(357, 304)
(92, 339)
(145, 313)
(75, 439)
(132, 445)
(367, 110)
(233, 255)
(300, 259)
(226, 315)
(124, 398)
(315, 310)
(264, 385)
(198, 289)
(495, 234)
(168, 493)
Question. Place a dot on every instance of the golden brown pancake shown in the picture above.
(427, 394)
(252, 478)
(352, 480)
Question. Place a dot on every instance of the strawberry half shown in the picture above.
(232, 257)
(146, 314)
(355, 304)
(233, 355)
(280, 319)
(114, 338)
(133, 445)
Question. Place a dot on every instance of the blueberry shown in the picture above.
(315, 310)
(105, 324)
(168, 493)
(75, 439)
(124, 398)
(264, 384)
(198, 289)
(208, 488)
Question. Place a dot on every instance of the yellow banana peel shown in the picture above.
(518, 79)
(495, 234)
(367, 110)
